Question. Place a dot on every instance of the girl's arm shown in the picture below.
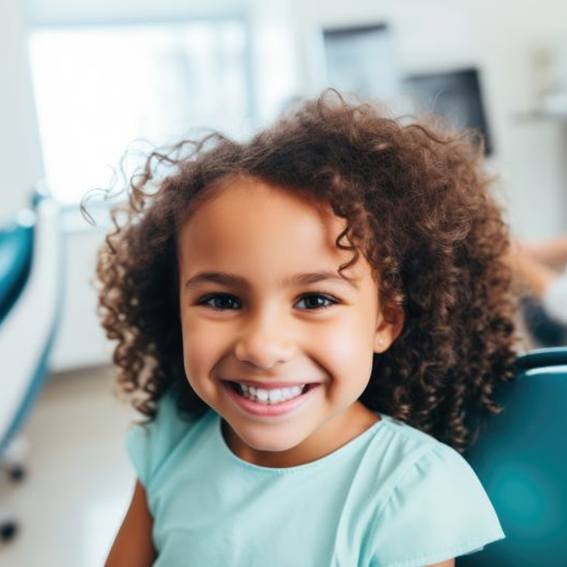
(450, 563)
(133, 545)
(551, 252)
(537, 275)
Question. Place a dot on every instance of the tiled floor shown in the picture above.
(79, 478)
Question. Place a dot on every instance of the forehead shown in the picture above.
(251, 226)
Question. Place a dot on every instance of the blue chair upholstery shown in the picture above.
(16, 245)
(521, 460)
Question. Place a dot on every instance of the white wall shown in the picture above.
(412, 22)
(532, 151)
(20, 156)
(108, 11)
(502, 39)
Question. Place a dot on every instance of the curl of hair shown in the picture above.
(418, 207)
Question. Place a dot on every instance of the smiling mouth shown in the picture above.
(270, 396)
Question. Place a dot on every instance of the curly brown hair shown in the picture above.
(417, 204)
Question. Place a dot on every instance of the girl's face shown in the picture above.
(262, 303)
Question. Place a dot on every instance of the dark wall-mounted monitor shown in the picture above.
(454, 95)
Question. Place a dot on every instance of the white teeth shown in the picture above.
(271, 396)
(275, 396)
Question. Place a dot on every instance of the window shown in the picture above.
(98, 89)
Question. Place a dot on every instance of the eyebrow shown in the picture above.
(227, 279)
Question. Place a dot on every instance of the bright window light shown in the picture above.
(99, 89)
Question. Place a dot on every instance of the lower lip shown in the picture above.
(266, 410)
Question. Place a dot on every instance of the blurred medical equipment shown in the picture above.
(31, 264)
(522, 463)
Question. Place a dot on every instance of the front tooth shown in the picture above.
(275, 396)
(262, 395)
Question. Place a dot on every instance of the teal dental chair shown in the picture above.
(521, 460)
(30, 306)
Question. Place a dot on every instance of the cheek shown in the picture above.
(347, 348)
(200, 351)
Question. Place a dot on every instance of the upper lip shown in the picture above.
(270, 385)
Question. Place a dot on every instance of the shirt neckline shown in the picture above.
(339, 453)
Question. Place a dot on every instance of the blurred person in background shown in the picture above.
(542, 269)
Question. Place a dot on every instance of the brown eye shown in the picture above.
(220, 301)
(317, 301)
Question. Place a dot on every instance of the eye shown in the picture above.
(220, 301)
(317, 301)
(225, 301)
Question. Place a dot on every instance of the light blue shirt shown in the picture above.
(391, 497)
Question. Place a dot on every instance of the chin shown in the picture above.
(269, 441)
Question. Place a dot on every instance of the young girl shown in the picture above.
(313, 323)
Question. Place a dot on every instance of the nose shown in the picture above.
(265, 342)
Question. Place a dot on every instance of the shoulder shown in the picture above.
(409, 452)
(434, 499)
(149, 444)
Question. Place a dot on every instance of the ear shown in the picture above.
(389, 325)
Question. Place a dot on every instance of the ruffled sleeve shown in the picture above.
(437, 510)
(149, 445)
